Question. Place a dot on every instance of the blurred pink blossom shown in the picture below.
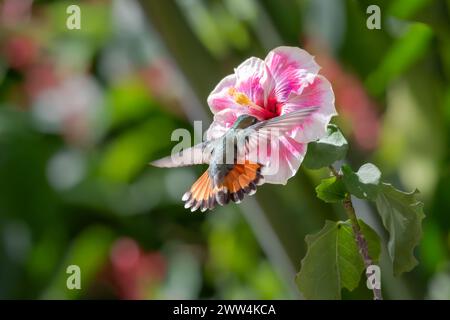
(15, 12)
(135, 272)
(20, 51)
(40, 77)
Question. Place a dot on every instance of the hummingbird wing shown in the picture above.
(198, 154)
(262, 132)
(282, 124)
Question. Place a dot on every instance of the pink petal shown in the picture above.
(252, 79)
(290, 68)
(318, 93)
(219, 99)
(286, 155)
(223, 121)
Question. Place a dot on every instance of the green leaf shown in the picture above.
(402, 216)
(327, 150)
(363, 184)
(331, 190)
(372, 239)
(332, 260)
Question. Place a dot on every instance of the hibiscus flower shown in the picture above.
(264, 116)
(287, 80)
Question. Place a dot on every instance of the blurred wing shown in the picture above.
(198, 154)
(262, 132)
(278, 126)
(285, 123)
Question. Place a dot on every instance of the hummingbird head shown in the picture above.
(244, 121)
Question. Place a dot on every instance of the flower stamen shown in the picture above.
(244, 100)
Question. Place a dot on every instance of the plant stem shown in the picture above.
(334, 172)
(359, 237)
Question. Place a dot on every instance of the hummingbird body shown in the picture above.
(231, 175)
(218, 168)
(225, 151)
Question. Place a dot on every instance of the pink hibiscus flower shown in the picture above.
(286, 80)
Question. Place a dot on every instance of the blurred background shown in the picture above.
(82, 112)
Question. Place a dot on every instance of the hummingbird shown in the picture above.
(231, 174)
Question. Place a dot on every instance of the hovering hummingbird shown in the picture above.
(231, 177)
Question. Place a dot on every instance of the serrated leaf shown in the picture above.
(363, 184)
(327, 150)
(402, 216)
(331, 190)
(332, 260)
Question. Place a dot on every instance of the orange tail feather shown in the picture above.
(241, 180)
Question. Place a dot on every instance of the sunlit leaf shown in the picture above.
(327, 150)
(332, 260)
(402, 215)
(331, 190)
(363, 183)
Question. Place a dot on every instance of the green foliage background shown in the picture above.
(82, 112)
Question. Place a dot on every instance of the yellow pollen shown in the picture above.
(243, 100)
(240, 97)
